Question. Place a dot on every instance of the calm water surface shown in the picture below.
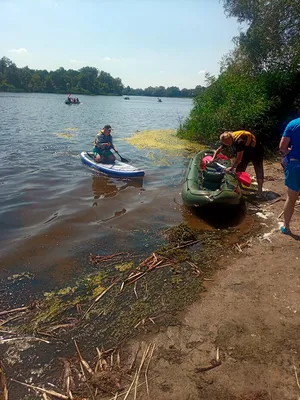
(52, 208)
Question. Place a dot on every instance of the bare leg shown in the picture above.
(289, 206)
(259, 186)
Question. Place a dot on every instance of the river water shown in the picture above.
(53, 210)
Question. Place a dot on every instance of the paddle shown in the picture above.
(243, 177)
(121, 158)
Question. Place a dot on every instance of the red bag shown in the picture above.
(205, 160)
(222, 156)
(244, 178)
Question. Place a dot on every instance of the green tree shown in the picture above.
(271, 41)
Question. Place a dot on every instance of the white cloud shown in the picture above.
(22, 50)
(111, 59)
(201, 72)
(161, 72)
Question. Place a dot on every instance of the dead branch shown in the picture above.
(82, 361)
(147, 368)
(3, 382)
(140, 368)
(213, 364)
(50, 392)
(14, 310)
(280, 215)
(296, 376)
(68, 381)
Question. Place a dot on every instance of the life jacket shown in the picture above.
(251, 139)
(102, 133)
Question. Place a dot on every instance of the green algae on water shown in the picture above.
(164, 140)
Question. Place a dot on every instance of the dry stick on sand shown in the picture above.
(296, 376)
(50, 392)
(274, 201)
(82, 361)
(280, 215)
(84, 364)
(140, 384)
(213, 364)
(68, 382)
(139, 370)
(147, 368)
(3, 382)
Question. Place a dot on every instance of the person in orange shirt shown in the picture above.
(247, 150)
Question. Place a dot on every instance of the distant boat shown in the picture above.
(126, 98)
(159, 100)
(72, 100)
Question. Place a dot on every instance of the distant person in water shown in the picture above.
(103, 144)
(247, 150)
(290, 148)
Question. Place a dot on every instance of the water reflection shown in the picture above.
(104, 186)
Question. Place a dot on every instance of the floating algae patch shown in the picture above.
(124, 266)
(22, 276)
(58, 306)
(64, 135)
(164, 140)
(71, 129)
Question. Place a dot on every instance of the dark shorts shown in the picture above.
(292, 175)
(102, 152)
(256, 156)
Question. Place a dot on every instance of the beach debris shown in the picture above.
(196, 269)
(296, 376)
(215, 362)
(20, 309)
(3, 383)
(94, 259)
(240, 246)
(42, 390)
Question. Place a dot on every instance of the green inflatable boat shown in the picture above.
(206, 182)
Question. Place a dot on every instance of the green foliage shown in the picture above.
(87, 80)
(231, 102)
(161, 91)
(271, 41)
(258, 88)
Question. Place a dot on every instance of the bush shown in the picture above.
(262, 104)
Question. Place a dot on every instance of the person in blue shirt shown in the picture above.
(103, 144)
(290, 148)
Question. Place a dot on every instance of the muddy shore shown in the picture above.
(250, 314)
(242, 302)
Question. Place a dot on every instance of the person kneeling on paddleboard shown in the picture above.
(247, 149)
(103, 144)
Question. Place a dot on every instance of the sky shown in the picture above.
(143, 42)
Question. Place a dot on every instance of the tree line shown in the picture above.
(258, 88)
(87, 80)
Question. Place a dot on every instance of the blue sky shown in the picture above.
(144, 42)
